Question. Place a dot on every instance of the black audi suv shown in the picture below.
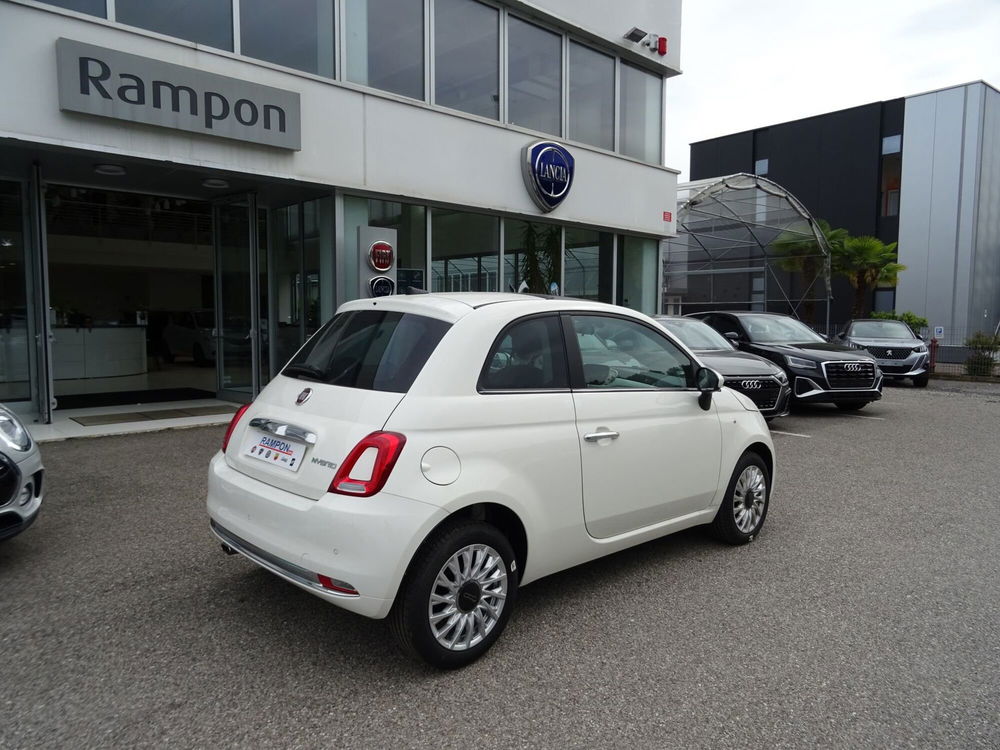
(819, 371)
(763, 382)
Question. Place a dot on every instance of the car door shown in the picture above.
(649, 452)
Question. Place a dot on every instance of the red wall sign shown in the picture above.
(380, 256)
(668, 216)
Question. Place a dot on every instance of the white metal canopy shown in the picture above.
(745, 243)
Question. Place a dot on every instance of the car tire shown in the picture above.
(457, 596)
(851, 405)
(921, 381)
(744, 507)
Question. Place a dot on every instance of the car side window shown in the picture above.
(724, 324)
(619, 353)
(528, 355)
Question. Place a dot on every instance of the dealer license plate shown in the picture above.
(277, 451)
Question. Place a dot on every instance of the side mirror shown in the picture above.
(733, 336)
(707, 381)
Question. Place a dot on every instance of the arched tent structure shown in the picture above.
(745, 243)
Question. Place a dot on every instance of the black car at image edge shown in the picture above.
(818, 371)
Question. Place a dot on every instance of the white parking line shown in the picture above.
(792, 434)
(859, 416)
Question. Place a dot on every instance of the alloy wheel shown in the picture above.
(467, 597)
(749, 496)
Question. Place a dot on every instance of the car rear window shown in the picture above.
(375, 350)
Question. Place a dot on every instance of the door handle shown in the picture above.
(603, 433)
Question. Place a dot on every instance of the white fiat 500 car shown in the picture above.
(423, 456)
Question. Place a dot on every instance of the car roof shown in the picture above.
(451, 306)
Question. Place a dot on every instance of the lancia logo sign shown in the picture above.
(303, 397)
(548, 173)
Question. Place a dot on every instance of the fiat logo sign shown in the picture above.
(380, 256)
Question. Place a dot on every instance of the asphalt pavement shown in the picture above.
(867, 614)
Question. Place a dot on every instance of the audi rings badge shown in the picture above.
(853, 367)
(751, 385)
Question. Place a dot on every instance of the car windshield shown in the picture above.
(695, 334)
(880, 329)
(778, 329)
(371, 349)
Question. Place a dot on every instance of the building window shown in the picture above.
(641, 114)
(294, 33)
(892, 144)
(760, 167)
(637, 272)
(532, 257)
(410, 222)
(208, 22)
(385, 45)
(589, 264)
(892, 168)
(91, 7)
(464, 252)
(467, 57)
(534, 77)
(15, 352)
(591, 97)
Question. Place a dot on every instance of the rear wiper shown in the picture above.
(305, 371)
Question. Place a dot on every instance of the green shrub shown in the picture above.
(984, 347)
(914, 321)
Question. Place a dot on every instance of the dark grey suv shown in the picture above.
(900, 353)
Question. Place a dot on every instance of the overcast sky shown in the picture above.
(747, 64)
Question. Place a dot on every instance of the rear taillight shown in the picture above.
(367, 467)
(232, 425)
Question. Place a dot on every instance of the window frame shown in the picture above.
(576, 379)
(484, 390)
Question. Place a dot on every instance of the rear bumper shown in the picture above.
(364, 542)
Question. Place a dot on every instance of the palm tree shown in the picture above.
(866, 262)
(804, 256)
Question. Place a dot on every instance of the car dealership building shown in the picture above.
(189, 188)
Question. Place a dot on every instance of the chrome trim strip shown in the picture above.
(276, 565)
(282, 429)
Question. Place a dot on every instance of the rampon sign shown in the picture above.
(548, 172)
(106, 82)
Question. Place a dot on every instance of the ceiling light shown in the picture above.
(214, 183)
(112, 170)
(636, 34)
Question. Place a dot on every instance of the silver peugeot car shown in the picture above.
(900, 353)
(20, 476)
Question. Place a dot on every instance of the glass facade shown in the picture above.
(385, 45)
(534, 77)
(637, 273)
(591, 96)
(386, 48)
(532, 256)
(15, 383)
(465, 252)
(208, 22)
(589, 264)
(641, 114)
(467, 57)
(294, 33)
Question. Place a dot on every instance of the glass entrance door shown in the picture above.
(237, 308)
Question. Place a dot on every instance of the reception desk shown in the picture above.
(98, 352)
